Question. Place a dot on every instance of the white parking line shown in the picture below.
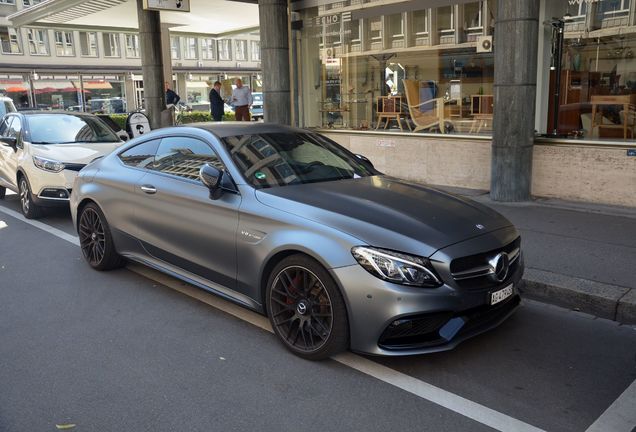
(619, 417)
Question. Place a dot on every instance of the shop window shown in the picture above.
(88, 44)
(111, 45)
(191, 45)
(240, 49)
(64, 44)
(104, 94)
(175, 47)
(225, 49)
(38, 41)
(132, 46)
(255, 47)
(17, 89)
(10, 40)
(208, 49)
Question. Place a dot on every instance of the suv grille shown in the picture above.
(474, 271)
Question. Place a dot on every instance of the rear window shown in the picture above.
(68, 129)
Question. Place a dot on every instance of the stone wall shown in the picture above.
(601, 174)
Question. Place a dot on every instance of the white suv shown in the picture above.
(42, 152)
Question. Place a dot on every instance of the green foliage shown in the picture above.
(120, 119)
(186, 117)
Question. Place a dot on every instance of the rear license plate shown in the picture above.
(501, 295)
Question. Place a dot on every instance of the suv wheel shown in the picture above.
(30, 210)
(306, 309)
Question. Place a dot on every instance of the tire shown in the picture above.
(96, 240)
(30, 209)
(306, 309)
(3, 192)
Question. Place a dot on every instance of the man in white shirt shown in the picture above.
(242, 100)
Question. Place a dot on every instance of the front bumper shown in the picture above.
(432, 319)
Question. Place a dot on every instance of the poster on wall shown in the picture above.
(168, 5)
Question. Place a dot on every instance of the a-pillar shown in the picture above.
(273, 18)
(152, 64)
(516, 47)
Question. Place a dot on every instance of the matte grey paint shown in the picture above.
(224, 245)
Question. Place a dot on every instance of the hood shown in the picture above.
(387, 212)
(81, 153)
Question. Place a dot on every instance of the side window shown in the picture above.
(15, 128)
(184, 157)
(4, 126)
(142, 155)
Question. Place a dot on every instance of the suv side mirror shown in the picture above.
(211, 177)
(9, 142)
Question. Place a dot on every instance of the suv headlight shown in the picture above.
(48, 164)
(396, 267)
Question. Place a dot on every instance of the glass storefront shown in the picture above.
(596, 78)
(401, 67)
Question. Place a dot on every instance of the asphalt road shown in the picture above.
(119, 351)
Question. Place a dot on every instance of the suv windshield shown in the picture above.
(281, 159)
(68, 129)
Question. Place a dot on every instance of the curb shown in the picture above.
(612, 302)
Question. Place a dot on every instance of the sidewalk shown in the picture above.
(579, 256)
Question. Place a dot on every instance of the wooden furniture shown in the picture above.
(390, 108)
(626, 103)
(481, 104)
(424, 114)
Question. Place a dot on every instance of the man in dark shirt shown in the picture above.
(172, 98)
(217, 105)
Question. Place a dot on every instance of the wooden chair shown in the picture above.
(424, 114)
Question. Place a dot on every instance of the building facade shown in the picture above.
(98, 68)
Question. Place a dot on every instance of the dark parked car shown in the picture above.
(290, 224)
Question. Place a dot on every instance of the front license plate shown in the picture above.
(501, 295)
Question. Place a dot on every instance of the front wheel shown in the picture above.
(306, 309)
(96, 240)
(30, 209)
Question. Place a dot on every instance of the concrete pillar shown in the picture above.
(152, 64)
(274, 31)
(516, 47)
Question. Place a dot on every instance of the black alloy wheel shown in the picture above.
(306, 309)
(96, 241)
(30, 210)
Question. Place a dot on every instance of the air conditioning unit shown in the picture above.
(484, 44)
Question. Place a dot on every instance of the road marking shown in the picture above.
(619, 417)
(44, 227)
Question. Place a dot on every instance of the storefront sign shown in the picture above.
(631, 152)
(333, 19)
(168, 5)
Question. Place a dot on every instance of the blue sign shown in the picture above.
(631, 152)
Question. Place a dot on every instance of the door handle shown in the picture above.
(149, 189)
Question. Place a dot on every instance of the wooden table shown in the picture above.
(390, 108)
(599, 101)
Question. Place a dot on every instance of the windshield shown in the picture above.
(281, 159)
(68, 129)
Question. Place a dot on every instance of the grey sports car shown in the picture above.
(290, 224)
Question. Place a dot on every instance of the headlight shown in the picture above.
(396, 267)
(48, 164)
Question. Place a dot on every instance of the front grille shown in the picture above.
(74, 166)
(473, 272)
(423, 331)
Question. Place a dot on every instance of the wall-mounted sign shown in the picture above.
(168, 5)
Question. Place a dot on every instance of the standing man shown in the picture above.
(242, 100)
(216, 102)
(172, 98)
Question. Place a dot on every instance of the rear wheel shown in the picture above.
(30, 209)
(96, 240)
(306, 309)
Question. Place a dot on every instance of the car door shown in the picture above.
(178, 222)
(11, 127)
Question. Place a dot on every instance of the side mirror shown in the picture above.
(211, 177)
(365, 160)
(9, 142)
